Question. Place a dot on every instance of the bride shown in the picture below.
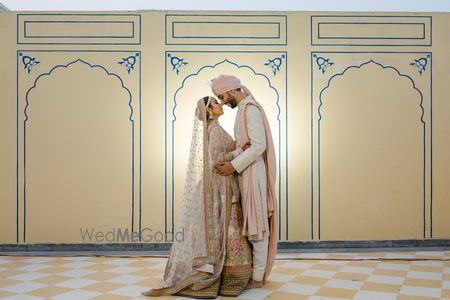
(213, 258)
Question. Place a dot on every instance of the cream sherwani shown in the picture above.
(250, 166)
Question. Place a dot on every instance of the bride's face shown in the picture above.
(215, 108)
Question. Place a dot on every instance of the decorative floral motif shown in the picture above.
(28, 62)
(129, 62)
(234, 217)
(323, 63)
(275, 64)
(421, 63)
(176, 62)
(237, 246)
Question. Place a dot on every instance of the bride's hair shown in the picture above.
(206, 100)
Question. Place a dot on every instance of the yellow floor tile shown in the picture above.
(289, 271)
(273, 285)
(423, 282)
(14, 265)
(49, 291)
(5, 294)
(55, 270)
(363, 264)
(103, 287)
(101, 275)
(101, 267)
(10, 273)
(309, 280)
(426, 269)
(326, 267)
(351, 276)
(410, 297)
(335, 292)
(287, 296)
(52, 279)
(389, 272)
(148, 272)
(111, 297)
(381, 287)
(445, 293)
(6, 282)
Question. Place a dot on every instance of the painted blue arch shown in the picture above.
(421, 119)
(25, 132)
(174, 119)
(359, 67)
(214, 66)
(67, 66)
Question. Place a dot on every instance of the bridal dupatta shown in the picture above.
(196, 265)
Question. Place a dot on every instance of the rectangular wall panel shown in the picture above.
(106, 29)
(371, 30)
(243, 30)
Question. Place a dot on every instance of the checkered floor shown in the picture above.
(381, 275)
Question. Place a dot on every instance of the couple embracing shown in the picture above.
(229, 205)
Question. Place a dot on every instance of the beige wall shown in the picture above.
(96, 112)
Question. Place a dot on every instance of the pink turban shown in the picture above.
(225, 83)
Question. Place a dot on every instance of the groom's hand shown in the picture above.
(224, 168)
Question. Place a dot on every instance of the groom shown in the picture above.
(256, 167)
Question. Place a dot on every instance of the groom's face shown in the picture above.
(228, 99)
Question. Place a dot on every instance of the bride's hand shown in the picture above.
(246, 146)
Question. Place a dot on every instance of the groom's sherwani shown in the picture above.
(250, 165)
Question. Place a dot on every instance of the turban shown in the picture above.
(225, 83)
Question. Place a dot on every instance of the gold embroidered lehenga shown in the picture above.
(213, 257)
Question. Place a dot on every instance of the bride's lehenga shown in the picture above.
(213, 257)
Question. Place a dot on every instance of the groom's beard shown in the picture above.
(232, 101)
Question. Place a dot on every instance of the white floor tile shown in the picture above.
(77, 272)
(334, 262)
(323, 298)
(446, 285)
(255, 294)
(37, 260)
(23, 287)
(304, 289)
(313, 255)
(161, 266)
(428, 263)
(386, 279)
(29, 276)
(399, 255)
(359, 270)
(77, 295)
(156, 259)
(78, 264)
(33, 267)
(123, 270)
(393, 266)
(77, 258)
(430, 253)
(344, 284)
(319, 273)
(424, 275)
(23, 297)
(369, 295)
(120, 261)
(280, 277)
(129, 290)
(420, 291)
(77, 283)
(297, 265)
(126, 279)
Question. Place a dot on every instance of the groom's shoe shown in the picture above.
(253, 284)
